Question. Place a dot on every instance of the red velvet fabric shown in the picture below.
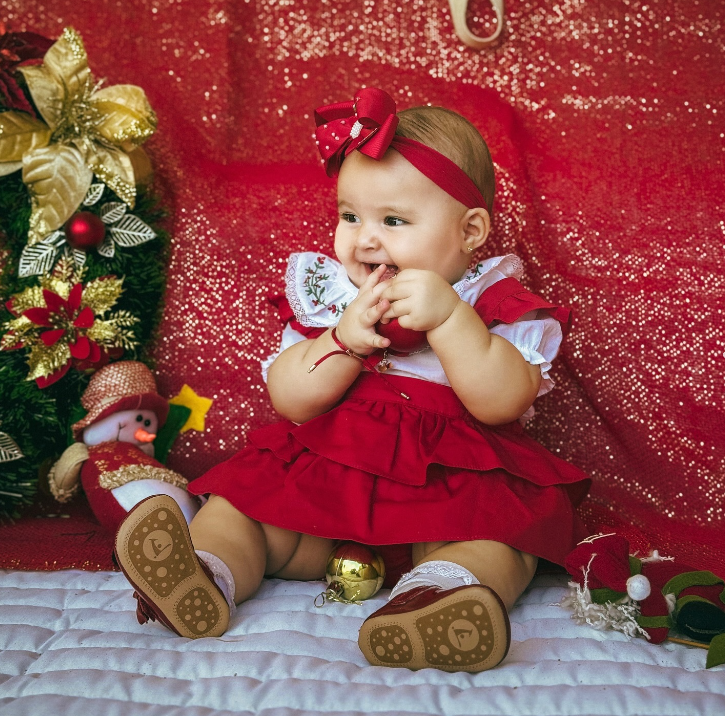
(605, 121)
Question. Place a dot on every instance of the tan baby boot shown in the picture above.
(155, 552)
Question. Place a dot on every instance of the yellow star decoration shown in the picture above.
(198, 405)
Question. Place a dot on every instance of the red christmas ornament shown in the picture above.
(404, 340)
(84, 231)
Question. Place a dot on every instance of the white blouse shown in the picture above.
(318, 290)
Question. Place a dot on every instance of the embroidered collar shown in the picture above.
(319, 290)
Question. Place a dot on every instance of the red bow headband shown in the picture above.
(368, 124)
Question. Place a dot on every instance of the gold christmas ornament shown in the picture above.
(87, 130)
(354, 573)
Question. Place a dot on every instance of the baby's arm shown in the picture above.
(488, 374)
(299, 395)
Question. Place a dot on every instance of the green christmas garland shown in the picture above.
(35, 421)
(39, 420)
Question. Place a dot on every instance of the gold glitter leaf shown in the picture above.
(64, 276)
(47, 93)
(102, 332)
(63, 74)
(100, 295)
(12, 338)
(44, 360)
(31, 297)
(128, 119)
(114, 169)
(84, 121)
(58, 179)
(19, 133)
(9, 167)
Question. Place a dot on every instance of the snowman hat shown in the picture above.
(126, 385)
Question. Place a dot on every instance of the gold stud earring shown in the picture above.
(470, 248)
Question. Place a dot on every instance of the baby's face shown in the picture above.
(392, 214)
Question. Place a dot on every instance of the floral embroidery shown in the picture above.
(315, 288)
(335, 309)
(313, 281)
(475, 271)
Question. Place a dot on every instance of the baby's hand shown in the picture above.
(357, 325)
(420, 300)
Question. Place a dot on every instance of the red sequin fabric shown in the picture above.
(606, 123)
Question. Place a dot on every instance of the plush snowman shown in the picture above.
(113, 456)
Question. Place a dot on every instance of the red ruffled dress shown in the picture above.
(382, 470)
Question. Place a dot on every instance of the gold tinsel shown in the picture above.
(128, 473)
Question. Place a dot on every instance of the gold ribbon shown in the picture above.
(85, 130)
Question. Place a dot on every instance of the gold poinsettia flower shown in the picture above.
(87, 129)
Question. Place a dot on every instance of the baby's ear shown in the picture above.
(476, 224)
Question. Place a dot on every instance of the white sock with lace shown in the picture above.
(444, 575)
(222, 576)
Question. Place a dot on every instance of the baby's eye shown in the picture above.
(349, 217)
(394, 221)
(139, 418)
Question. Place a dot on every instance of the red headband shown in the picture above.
(368, 124)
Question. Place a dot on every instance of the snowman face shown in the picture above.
(137, 427)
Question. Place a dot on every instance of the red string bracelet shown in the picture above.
(365, 360)
(344, 350)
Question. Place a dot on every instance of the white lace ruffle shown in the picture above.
(439, 573)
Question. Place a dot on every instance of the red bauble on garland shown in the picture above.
(84, 231)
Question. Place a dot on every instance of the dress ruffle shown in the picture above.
(381, 470)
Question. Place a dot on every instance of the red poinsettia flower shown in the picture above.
(15, 49)
(65, 318)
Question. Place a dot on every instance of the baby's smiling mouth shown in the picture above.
(390, 271)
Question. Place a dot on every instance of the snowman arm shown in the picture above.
(64, 476)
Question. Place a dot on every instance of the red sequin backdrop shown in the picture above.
(606, 121)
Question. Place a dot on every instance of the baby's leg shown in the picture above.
(451, 611)
(190, 577)
(502, 568)
(252, 550)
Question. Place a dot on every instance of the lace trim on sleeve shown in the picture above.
(485, 273)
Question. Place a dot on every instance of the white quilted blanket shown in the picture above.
(71, 645)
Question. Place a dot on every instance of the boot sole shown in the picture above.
(154, 550)
(465, 631)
